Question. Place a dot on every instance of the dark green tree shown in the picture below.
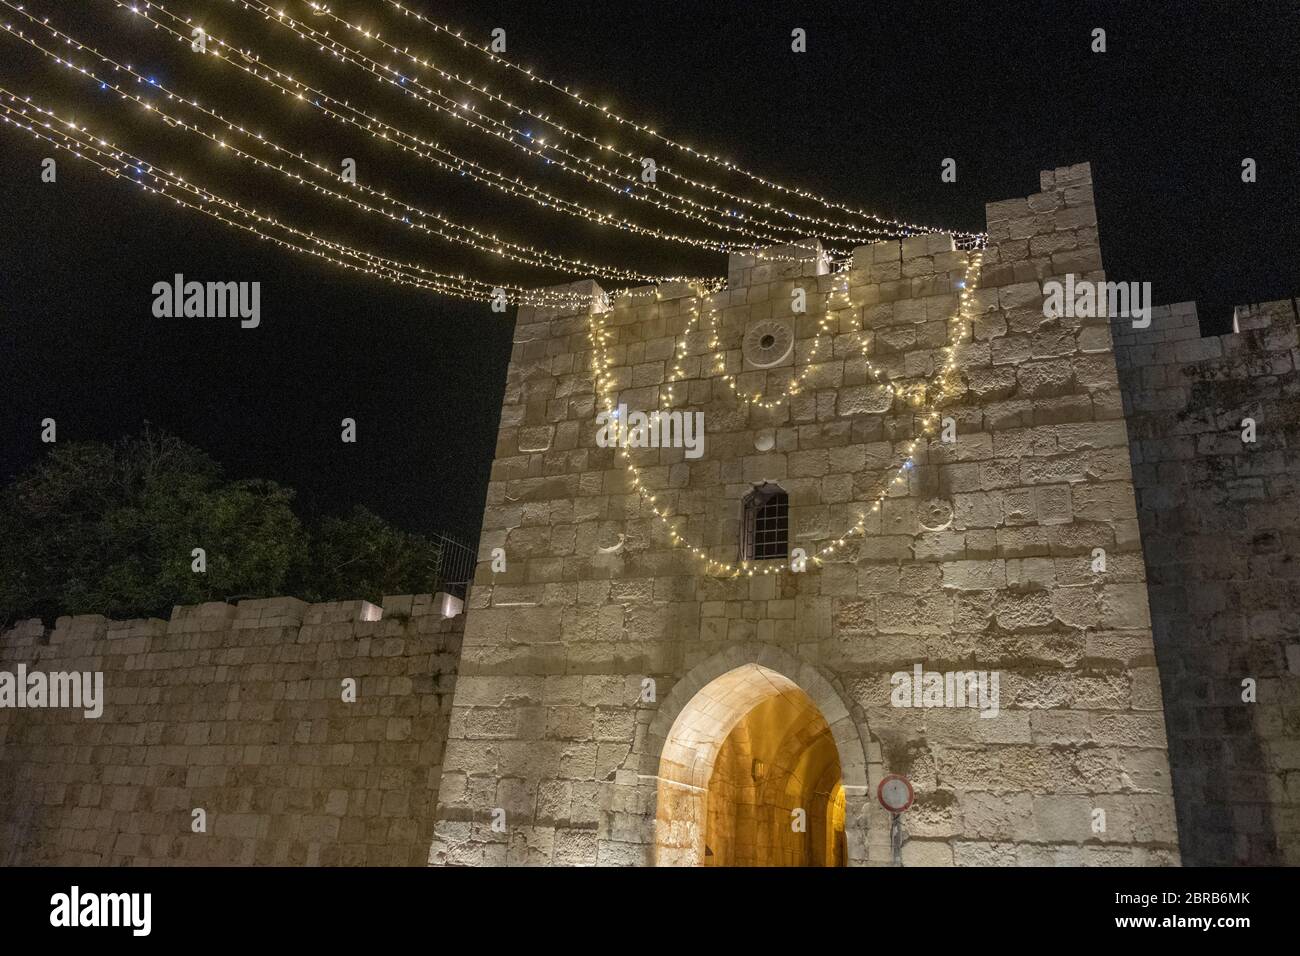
(110, 529)
(363, 556)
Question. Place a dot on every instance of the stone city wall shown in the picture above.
(237, 710)
(1221, 533)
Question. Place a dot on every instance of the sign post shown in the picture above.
(895, 795)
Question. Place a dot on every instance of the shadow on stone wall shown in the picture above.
(1220, 520)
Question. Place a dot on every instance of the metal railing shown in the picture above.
(456, 563)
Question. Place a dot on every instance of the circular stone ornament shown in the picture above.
(768, 343)
(895, 793)
(936, 514)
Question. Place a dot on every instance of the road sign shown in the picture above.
(894, 793)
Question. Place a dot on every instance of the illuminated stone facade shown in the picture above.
(619, 701)
(1012, 550)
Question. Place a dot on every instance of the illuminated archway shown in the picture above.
(753, 771)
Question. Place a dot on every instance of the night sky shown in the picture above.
(885, 92)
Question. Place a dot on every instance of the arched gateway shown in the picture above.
(757, 768)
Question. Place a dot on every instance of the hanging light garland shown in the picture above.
(467, 236)
(444, 158)
(124, 165)
(120, 164)
(965, 240)
(404, 213)
(605, 385)
(621, 183)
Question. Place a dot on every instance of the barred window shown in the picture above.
(765, 528)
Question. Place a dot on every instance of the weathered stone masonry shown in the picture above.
(237, 710)
(1221, 535)
(981, 560)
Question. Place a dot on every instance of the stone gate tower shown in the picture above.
(625, 699)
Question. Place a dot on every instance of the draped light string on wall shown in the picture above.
(794, 385)
(86, 146)
(605, 387)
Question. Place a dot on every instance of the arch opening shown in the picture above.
(750, 775)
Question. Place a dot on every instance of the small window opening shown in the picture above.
(765, 529)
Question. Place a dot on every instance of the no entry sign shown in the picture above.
(894, 793)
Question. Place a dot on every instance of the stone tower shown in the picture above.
(625, 697)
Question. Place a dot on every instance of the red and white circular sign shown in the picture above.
(895, 793)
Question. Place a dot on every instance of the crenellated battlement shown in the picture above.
(282, 612)
(1174, 338)
(1170, 367)
(305, 733)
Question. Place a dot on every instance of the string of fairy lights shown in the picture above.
(628, 183)
(402, 212)
(398, 211)
(66, 135)
(973, 240)
(342, 111)
(86, 146)
(795, 383)
(82, 143)
(738, 223)
(947, 386)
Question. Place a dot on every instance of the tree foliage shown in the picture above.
(111, 529)
(364, 556)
